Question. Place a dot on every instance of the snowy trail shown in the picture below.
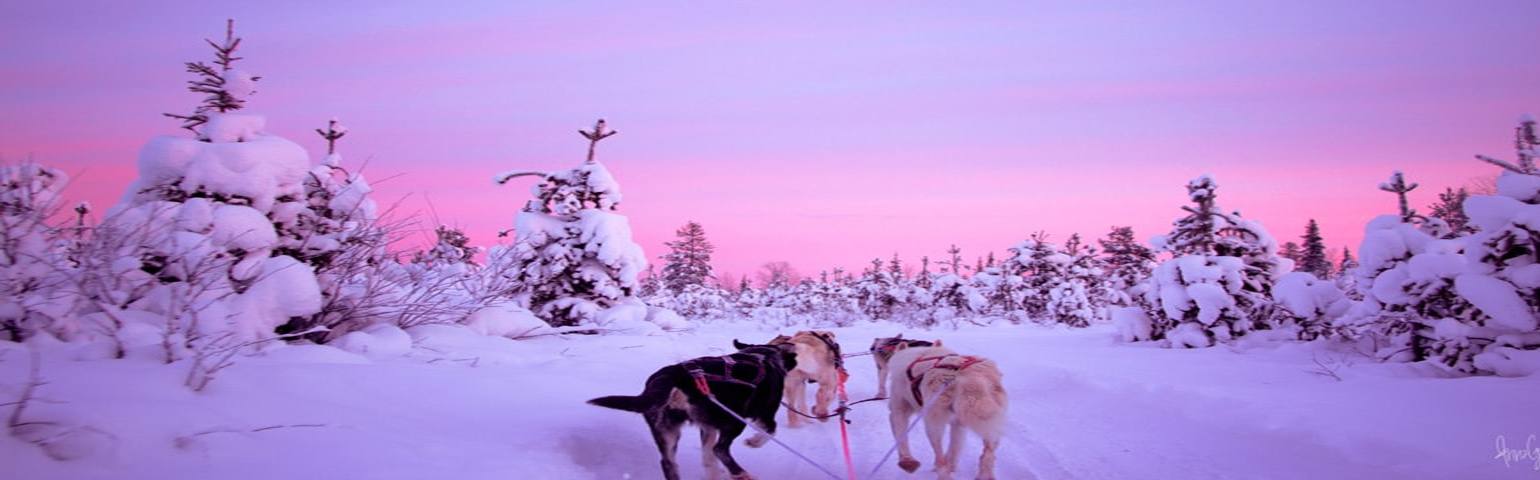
(1081, 408)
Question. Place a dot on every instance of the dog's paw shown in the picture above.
(756, 441)
(909, 464)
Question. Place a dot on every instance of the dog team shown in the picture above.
(954, 392)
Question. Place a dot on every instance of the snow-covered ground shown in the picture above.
(464, 406)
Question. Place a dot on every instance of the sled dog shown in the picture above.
(749, 381)
(956, 392)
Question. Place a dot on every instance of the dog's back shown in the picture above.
(900, 390)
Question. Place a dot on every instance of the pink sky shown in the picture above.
(821, 135)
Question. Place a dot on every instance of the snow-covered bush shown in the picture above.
(34, 266)
(953, 299)
(574, 256)
(1309, 304)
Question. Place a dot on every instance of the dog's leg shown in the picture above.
(723, 451)
(665, 432)
(987, 459)
(825, 395)
(898, 417)
(759, 439)
(708, 459)
(882, 378)
(935, 426)
(959, 434)
(796, 396)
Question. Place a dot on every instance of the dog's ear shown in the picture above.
(935, 343)
(740, 345)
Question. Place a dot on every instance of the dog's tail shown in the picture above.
(655, 395)
(981, 402)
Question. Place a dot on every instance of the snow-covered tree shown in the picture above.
(1503, 279)
(35, 268)
(954, 261)
(1312, 257)
(1346, 280)
(922, 280)
(953, 299)
(1128, 262)
(1003, 291)
(1406, 275)
(1057, 284)
(336, 230)
(688, 261)
(573, 254)
(1040, 263)
(878, 293)
(1217, 286)
(193, 246)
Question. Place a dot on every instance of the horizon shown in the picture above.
(907, 130)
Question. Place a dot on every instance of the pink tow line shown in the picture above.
(850, 466)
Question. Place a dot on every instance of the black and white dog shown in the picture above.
(749, 381)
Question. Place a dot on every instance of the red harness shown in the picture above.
(914, 384)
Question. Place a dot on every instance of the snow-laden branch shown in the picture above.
(504, 177)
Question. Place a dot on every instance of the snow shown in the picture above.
(1498, 300)
(261, 169)
(1083, 406)
(284, 288)
(233, 127)
(506, 319)
(377, 340)
(1131, 323)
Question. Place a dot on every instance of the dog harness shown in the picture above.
(914, 384)
(839, 359)
(703, 379)
(891, 345)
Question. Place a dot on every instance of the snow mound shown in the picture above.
(381, 340)
(506, 320)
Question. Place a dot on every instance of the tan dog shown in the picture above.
(818, 360)
(955, 391)
(883, 349)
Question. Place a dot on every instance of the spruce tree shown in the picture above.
(1450, 209)
(1312, 258)
(1291, 251)
(688, 262)
(574, 255)
(1128, 261)
(954, 260)
(1503, 281)
(1218, 285)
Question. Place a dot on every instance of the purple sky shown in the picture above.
(821, 135)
